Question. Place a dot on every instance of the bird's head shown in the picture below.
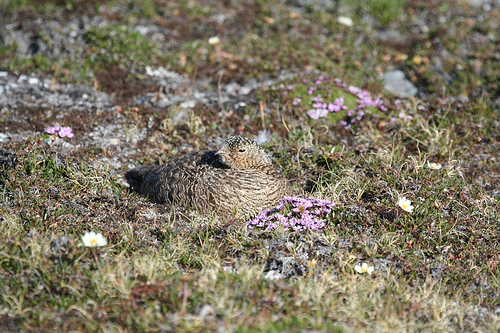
(242, 153)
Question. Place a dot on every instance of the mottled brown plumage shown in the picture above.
(238, 179)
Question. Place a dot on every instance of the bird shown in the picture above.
(239, 179)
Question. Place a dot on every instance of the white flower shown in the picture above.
(347, 21)
(434, 166)
(405, 204)
(213, 40)
(364, 269)
(91, 239)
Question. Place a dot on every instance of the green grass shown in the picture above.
(117, 45)
(101, 50)
(37, 6)
(142, 286)
(386, 11)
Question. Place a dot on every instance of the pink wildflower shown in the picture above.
(59, 130)
(66, 132)
(53, 130)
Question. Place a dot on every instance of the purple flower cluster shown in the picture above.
(322, 104)
(294, 214)
(364, 101)
(321, 109)
(403, 109)
(61, 131)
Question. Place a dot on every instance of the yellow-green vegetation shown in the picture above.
(99, 50)
(411, 243)
(435, 269)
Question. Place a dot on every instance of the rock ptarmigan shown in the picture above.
(239, 179)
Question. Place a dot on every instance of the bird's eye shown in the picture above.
(241, 150)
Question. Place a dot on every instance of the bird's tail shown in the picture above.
(136, 176)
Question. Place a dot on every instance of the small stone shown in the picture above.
(245, 90)
(188, 104)
(273, 275)
(347, 21)
(206, 311)
(398, 84)
(33, 80)
(60, 244)
(143, 30)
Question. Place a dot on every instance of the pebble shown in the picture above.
(398, 84)
(206, 312)
(190, 103)
(4, 138)
(347, 21)
(33, 80)
(273, 275)
(115, 141)
(245, 90)
(143, 30)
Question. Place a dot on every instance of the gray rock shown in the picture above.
(273, 275)
(398, 84)
(33, 80)
(61, 244)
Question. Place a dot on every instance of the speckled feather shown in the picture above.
(238, 179)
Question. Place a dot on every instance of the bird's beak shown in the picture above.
(221, 152)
